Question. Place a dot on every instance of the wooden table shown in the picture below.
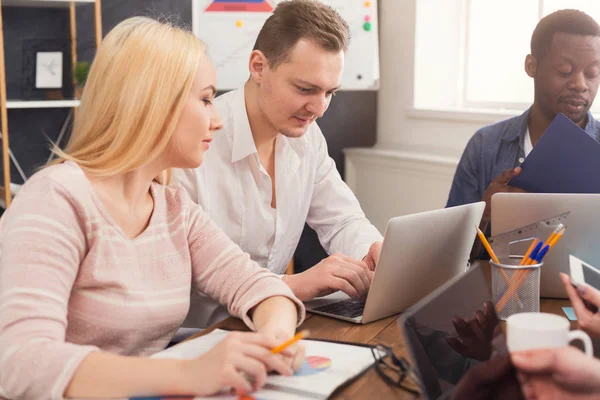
(385, 331)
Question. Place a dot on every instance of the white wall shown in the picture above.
(436, 85)
(421, 147)
(398, 126)
(390, 183)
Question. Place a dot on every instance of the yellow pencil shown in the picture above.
(556, 238)
(559, 228)
(487, 245)
(299, 336)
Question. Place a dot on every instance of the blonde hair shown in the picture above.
(133, 97)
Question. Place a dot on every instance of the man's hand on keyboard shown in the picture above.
(372, 257)
(336, 272)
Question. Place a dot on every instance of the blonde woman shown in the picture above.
(98, 256)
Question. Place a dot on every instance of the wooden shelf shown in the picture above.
(7, 188)
(43, 3)
(17, 104)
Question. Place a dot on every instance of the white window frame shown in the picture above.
(467, 110)
(484, 105)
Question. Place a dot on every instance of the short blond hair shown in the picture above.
(293, 20)
(134, 95)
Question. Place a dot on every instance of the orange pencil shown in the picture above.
(300, 335)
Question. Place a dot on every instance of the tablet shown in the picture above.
(427, 325)
(582, 272)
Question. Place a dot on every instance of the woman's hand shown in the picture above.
(559, 373)
(294, 354)
(588, 318)
(277, 317)
(240, 362)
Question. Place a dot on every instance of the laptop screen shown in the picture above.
(430, 332)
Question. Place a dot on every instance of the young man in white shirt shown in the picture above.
(268, 172)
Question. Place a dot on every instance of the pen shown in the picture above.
(529, 251)
(542, 253)
(300, 335)
(536, 257)
(551, 244)
(535, 253)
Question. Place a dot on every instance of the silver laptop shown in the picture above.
(420, 252)
(514, 210)
(427, 325)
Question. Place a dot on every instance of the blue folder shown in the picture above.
(565, 160)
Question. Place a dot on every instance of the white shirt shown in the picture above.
(527, 145)
(234, 188)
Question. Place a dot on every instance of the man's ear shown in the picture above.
(257, 65)
(530, 65)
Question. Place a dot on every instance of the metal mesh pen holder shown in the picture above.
(515, 288)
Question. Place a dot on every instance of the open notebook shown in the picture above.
(327, 366)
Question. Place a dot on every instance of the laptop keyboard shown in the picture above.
(346, 308)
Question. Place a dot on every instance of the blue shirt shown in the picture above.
(492, 150)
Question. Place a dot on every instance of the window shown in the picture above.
(470, 54)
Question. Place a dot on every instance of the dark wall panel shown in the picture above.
(114, 11)
(25, 27)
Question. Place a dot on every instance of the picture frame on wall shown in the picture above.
(46, 69)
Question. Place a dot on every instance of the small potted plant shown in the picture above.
(81, 71)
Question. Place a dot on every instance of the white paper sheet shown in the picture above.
(327, 366)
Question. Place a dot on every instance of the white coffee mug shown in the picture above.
(528, 331)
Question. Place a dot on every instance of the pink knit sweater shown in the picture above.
(72, 283)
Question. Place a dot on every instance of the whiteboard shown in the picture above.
(230, 27)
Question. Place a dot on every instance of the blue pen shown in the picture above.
(536, 251)
(542, 253)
